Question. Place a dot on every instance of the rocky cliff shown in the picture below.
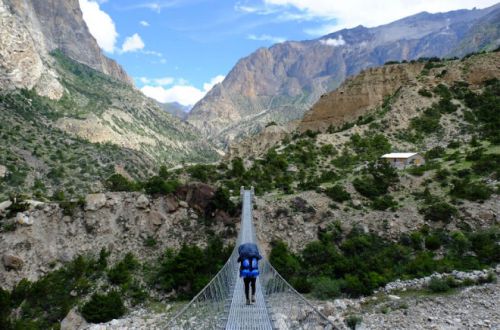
(48, 235)
(364, 93)
(30, 30)
(282, 82)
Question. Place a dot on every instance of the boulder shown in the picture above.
(73, 321)
(301, 205)
(94, 202)
(224, 217)
(183, 204)
(24, 219)
(12, 262)
(142, 202)
(171, 204)
(156, 218)
(197, 195)
(3, 171)
(4, 206)
(486, 216)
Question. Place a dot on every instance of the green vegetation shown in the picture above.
(103, 291)
(362, 262)
(103, 307)
(191, 268)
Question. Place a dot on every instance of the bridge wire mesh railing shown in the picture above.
(209, 308)
(288, 308)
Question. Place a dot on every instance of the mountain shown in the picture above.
(39, 27)
(176, 109)
(70, 117)
(282, 82)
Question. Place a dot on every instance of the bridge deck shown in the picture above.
(242, 316)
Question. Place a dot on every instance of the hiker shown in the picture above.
(249, 268)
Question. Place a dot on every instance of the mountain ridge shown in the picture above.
(283, 81)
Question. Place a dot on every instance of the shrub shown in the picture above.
(439, 285)
(433, 242)
(157, 185)
(474, 191)
(383, 203)
(442, 91)
(325, 288)
(424, 92)
(221, 201)
(121, 272)
(428, 122)
(436, 152)
(18, 205)
(353, 320)
(338, 194)
(285, 262)
(439, 211)
(118, 182)
(103, 307)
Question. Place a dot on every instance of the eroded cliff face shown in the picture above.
(46, 237)
(30, 30)
(366, 92)
(23, 54)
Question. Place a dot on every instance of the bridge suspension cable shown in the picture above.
(221, 304)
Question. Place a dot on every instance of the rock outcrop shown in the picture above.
(39, 27)
(365, 92)
(117, 222)
(282, 82)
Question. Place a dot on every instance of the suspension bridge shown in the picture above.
(221, 304)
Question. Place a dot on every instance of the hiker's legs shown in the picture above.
(253, 285)
(246, 280)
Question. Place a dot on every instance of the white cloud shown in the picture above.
(165, 81)
(348, 14)
(144, 23)
(266, 37)
(333, 42)
(100, 24)
(133, 44)
(214, 81)
(182, 93)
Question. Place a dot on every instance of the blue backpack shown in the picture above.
(249, 268)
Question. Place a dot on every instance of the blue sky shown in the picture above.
(177, 49)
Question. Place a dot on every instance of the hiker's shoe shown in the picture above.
(253, 298)
(248, 301)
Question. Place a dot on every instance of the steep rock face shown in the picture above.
(357, 95)
(64, 28)
(32, 29)
(281, 83)
(365, 92)
(118, 222)
(22, 57)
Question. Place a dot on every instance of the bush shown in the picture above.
(382, 203)
(103, 307)
(285, 262)
(353, 320)
(473, 191)
(439, 211)
(433, 242)
(428, 122)
(338, 194)
(325, 288)
(436, 152)
(118, 182)
(157, 185)
(439, 285)
(424, 92)
(121, 272)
